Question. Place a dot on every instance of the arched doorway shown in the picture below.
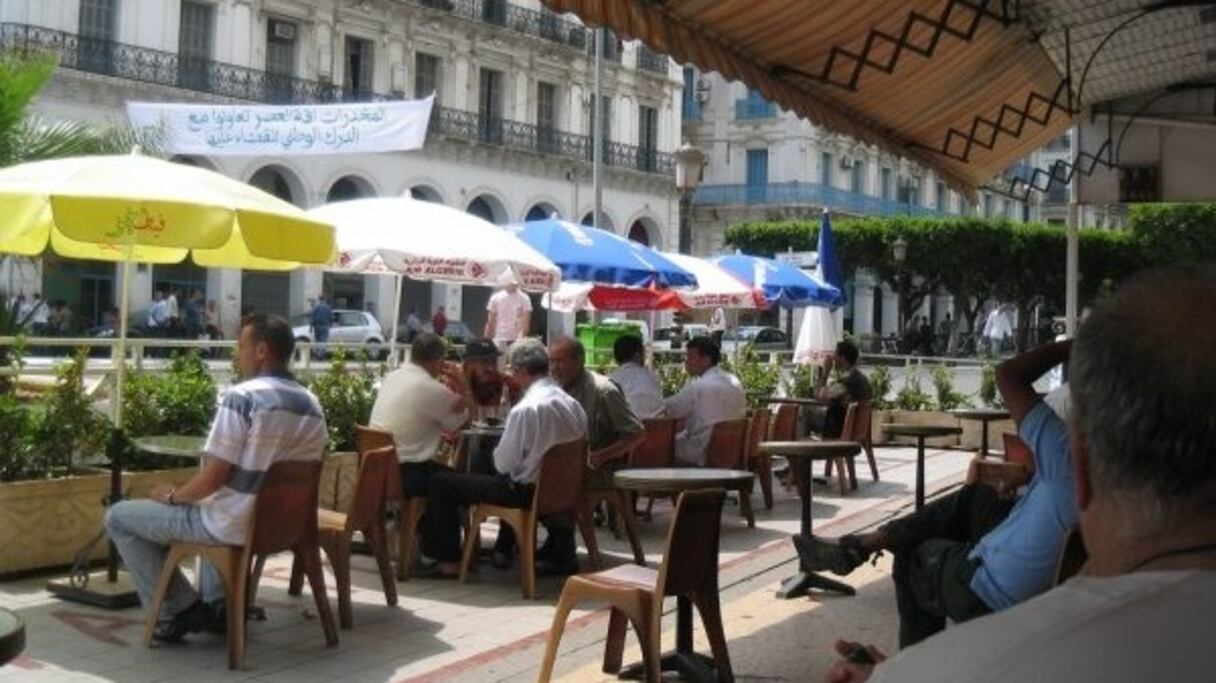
(426, 193)
(638, 233)
(264, 291)
(279, 182)
(349, 187)
(489, 208)
(605, 221)
(542, 211)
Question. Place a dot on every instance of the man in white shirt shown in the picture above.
(158, 312)
(545, 417)
(643, 390)
(1144, 606)
(712, 396)
(41, 315)
(261, 421)
(510, 312)
(417, 408)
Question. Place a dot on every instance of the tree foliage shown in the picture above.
(1174, 233)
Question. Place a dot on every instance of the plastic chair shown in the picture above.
(785, 428)
(727, 450)
(689, 571)
(559, 489)
(284, 518)
(411, 509)
(759, 463)
(658, 449)
(337, 531)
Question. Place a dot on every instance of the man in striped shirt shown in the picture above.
(263, 420)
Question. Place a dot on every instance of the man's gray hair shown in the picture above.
(530, 356)
(1142, 373)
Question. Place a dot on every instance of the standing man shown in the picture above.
(40, 315)
(545, 417)
(322, 318)
(439, 322)
(643, 390)
(711, 396)
(510, 315)
(417, 407)
(194, 315)
(261, 421)
(413, 325)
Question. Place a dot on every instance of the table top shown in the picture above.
(980, 413)
(12, 635)
(172, 444)
(795, 401)
(673, 479)
(903, 429)
(816, 450)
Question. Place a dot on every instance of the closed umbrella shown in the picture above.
(817, 335)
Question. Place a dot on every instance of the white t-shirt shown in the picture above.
(642, 388)
(416, 408)
(507, 309)
(1147, 626)
(716, 396)
(171, 306)
(545, 417)
(259, 422)
(41, 314)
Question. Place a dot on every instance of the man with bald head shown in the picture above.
(1143, 441)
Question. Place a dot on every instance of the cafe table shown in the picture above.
(12, 635)
(802, 454)
(478, 443)
(690, 664)
(920, 432)
(795, 401)
(984, 416)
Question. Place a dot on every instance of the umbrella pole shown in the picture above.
(392, 347)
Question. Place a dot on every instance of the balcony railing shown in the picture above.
(754, 109)
(692, 109)
(147, 65)
(808, 193)
(539, 24)
(649, 60)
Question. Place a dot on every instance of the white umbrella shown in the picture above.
(426, 241)
(817, 336)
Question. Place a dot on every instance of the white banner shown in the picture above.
(215, 130)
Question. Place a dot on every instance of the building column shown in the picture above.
(305, 285)
(863, 305)
(379, 292)
(224, 288)
(890, 311)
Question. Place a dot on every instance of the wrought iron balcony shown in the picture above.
(540, 24)
(748, 109)
(649, 60)
(798, 193)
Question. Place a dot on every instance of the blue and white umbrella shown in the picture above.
(782, 284)
(586, 254)
(817, 335)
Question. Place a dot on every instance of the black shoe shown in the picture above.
(169, 633)
(557, 568)
(199, 616)
(840, 556)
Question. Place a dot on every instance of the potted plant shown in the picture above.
(346, 396)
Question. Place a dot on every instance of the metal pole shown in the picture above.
(597, 133)
(1072, 254)
(686, 222)
(392, 347)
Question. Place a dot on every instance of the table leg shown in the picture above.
(984, 439)
(920, 472)
(800, 584)
(689, 664)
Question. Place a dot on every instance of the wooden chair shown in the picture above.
(1072, 556)
(689, 571)
(1005, 476)
(367, 515)
(411, 509)
(617, 502)
(758, 463)
(559, 489)
(727, 450)
(785, 428)
(284, 518)
(658, 449)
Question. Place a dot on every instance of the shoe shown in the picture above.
(196, 618)
(840, 557)
(554, 568)
(169, 633)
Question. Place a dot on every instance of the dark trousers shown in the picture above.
(416, 477)
(826, 421)
(932, 573)
(450, 491)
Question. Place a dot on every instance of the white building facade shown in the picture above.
(509, 139)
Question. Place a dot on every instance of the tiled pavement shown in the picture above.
(483, 630)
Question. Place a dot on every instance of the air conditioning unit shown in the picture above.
(283, 30)
(846, 163)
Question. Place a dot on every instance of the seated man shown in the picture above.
(643, 390)
(545, 417)
(974, 552)
(851, 385)
(711, 396)
(1144, 606)
(416, 407)
(260, 421)
(492, 391)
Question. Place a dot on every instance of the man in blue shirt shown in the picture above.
(974, 552)
(322, 320)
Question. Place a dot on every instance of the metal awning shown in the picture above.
(965, 87)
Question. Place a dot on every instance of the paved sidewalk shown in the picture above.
(483, 630)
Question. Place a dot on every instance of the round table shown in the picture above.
(921, 432)
(983, 416)
(175, 445)
(801, 454)
(12, 635)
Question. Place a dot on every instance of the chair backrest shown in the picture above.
(857, 422)
(372, 488)
(1072, 556)
(1017, 451)
(563, 473)
(785, 423)
(757, 432)
(727, 444)
(690, 560)
(285, 510)
(368, 440)
(658, 447)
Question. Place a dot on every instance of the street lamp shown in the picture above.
(690, 163)
(900, 251)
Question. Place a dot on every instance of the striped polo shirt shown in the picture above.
(259, 422)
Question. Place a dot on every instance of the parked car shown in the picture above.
(761, 339)
(456, 332)
(354, 328)
(668, 338)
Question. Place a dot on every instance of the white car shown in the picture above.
(663, 337)
(353, 328)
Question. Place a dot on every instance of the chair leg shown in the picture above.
(587, 528)
(707, 604)
(172, 560)
(745, 507)
(827, 468)
(625, 511)
(311, 557)
(649, 632)
(238, 581)
(527, 555)
(614, 647)
(852, 465)
(255, 578)
(472, 538)
(564, 604)
(409, 519)
(869, 447)
(764, 472)
(649, 508)
(296, 584)
(379, 541)
(338, 551)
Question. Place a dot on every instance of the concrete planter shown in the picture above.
(338, 474)
(971, 435)
(917, 417)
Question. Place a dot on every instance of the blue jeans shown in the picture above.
(142, 531)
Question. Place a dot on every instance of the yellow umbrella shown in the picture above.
(134, 208)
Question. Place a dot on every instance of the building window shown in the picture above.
(989, 206)
(426, 75)
(494, 12)
(858, 180)
(359, 69)
(98, 27)
(280, 61)
(648, 137)
(692, 106)
(489, 106)
(757, 175)
(194, 41)
(605, 108)
(885, 185)
(825, 169)
(546, 116)
(939, 198)
(754, 106)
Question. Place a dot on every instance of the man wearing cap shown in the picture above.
(492, 391)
